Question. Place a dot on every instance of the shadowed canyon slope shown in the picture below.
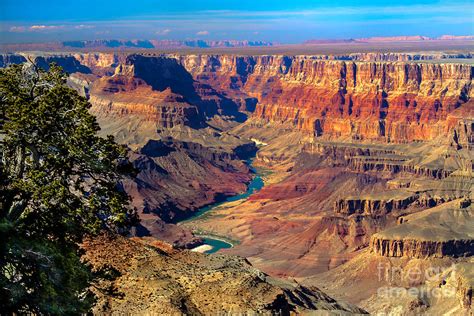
(368, 160)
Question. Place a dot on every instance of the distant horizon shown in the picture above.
(25, 21)
(466, 37)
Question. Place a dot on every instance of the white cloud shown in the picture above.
(41, 28)
(44, 27)
(35, 28)
(84, 27)
(163, 32)
(17, 29)
(202, 33)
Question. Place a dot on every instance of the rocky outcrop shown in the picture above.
(373, 206)
(375, 158)
(463, 276)
(395, 165)
(164, 84)
(443, 231)
(124, 96)
(101, 63)
(421, 248)
(164, 110)
(153, 278)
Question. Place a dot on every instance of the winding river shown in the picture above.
(215, 244)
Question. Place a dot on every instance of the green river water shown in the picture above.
(255, 185)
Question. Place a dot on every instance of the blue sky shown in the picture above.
(283, 21)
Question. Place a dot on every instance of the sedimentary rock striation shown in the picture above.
(442, 231)
(360, 100)
(390, 101)
(378, 100)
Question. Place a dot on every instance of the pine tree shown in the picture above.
(59, 182)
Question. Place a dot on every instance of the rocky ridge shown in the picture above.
(442, 231)
(184, 282)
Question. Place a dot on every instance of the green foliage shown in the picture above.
(59, 182)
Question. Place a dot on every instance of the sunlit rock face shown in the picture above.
(190, 283)
(367, 96)
(389, 101)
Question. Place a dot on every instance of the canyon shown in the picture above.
(367, 159)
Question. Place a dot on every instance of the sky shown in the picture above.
(277, 21)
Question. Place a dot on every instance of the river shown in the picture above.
(216, 243)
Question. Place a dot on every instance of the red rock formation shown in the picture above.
(387, 101)
(373, 207)
(442, 231)
(123, 96)
(102, 64)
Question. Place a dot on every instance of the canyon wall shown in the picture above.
(369, 96)
(389, 101)
(442, 231)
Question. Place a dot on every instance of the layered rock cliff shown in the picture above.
(369, 96)
(391, 101)
(443, 231)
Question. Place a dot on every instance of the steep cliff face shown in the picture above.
(156, 88)
(443, 231)
(8, 59)
(125, 96)
(373, 96)
(392, 101)
(421, 248)
(100, 63)
(373, 207)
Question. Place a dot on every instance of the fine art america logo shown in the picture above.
(408, 281)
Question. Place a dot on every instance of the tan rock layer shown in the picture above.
(421, 248)
(152, 278)
(371, 206)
